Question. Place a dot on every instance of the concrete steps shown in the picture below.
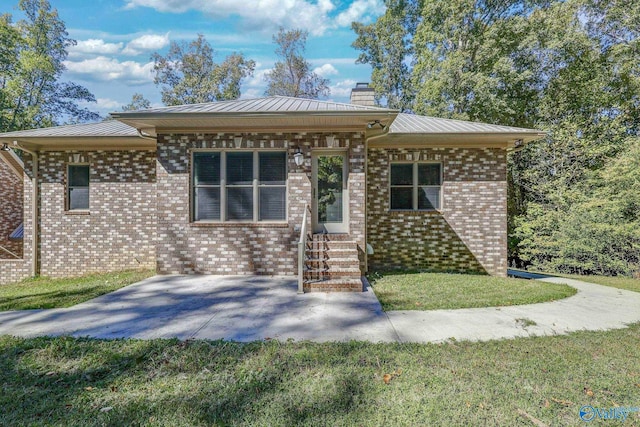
(332, 264)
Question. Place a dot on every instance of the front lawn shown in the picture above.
(44, 292)
(65, 381)
(432, 291)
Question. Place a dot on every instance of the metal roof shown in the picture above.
(272, 104)
(412, 124)
(112, 128)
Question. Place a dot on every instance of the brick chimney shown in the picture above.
(362, 94)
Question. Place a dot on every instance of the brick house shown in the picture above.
(253, 186)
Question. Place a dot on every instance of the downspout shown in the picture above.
(34, 208)
(385, 132)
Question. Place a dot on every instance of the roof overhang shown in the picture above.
(303, 121)
(509, 141)
(82, 143)
(14, 162)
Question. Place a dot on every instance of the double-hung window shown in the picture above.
(239, 186)
(415, 186)
(77, 187)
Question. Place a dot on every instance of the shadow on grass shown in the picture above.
(168, 382)
(52, 299)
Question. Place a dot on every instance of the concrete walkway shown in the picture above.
(593, 308)
(251, 308)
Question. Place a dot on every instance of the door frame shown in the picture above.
(318, 227)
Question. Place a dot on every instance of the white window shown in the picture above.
(415, 186)
(77, 187)
(239, 186)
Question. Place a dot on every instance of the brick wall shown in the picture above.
(224, 248)
(118, 231)
(14, 270)
(11, 209)
(468, 234)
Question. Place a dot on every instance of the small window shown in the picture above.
(415, 186)
(239, 186)
(78, 187)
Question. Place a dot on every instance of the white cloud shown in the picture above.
(342, 89)
(102, 68)
(313, 16)
(146, 43)
(360, 10)
(326, 70)
(94, 47)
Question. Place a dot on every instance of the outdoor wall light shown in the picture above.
(5, 147)
(298, 157)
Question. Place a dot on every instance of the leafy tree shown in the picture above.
(31, 65)
(292, 75)
(138, 102)
(386, 46)
(188, 73)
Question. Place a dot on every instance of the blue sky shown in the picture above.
(117, 37)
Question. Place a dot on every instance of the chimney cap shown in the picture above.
(362, 87)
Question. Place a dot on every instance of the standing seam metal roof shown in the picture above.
(100, 129)
(272, 104)
(414, 124)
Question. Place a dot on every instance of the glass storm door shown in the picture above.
(330, 196)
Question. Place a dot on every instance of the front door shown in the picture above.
(330, 196)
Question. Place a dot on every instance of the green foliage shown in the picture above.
(138, 102)
(569, 67)
(292, 75)
(32, 55)
(188, 73)
(386, 46)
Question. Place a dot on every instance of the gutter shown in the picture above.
(34, 208)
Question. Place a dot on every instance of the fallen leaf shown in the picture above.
(50, 373)
(114, 389)
(588, 391)
(562, 402)
(536, 422)
(386, 378)
(106, 409)
(68, 406)
(546, 403)
(398, 372)
(88, 388)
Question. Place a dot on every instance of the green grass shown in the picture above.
(66, 381)
(432, 291)
(43, 292)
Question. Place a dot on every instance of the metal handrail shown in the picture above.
(302, 243)
(10, 253)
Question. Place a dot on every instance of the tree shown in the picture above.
(292, 75)
(138, 102)
(31, 65)
(189, 75)
(387, 46)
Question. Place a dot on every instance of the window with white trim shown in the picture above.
(77, 187)
(235, 186)
(415, 186)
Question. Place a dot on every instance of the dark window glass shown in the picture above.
(206, 168)
(78, 187)
(273, 168)
(401, 198)
(402, 174)
(207, 203)
(240, 203)
(240, 168)
(429, 174)
(429, 198)
(273, 203)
